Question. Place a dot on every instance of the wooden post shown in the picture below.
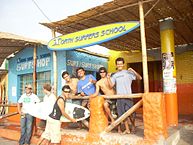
(35, 81)
(55, 67)
(144, 51)
(34, 70)
(8, 115)
(124, 116)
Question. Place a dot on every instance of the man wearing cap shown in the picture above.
(26, 120)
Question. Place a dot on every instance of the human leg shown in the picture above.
(120, 110)
(23, 130)
(29, 124)
(55, 133)
(108, 111)
(128, 104)
(127, 130)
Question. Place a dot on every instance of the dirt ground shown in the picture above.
(185, 129)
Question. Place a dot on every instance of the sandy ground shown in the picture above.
(185, 129)
(186, 137)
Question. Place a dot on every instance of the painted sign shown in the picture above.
(85, 65)
(27, 63)
(91, 36)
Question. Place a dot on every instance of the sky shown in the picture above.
(22, 17)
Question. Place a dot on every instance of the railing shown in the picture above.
(110, 127)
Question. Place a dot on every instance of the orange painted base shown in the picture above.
(171, 109)
(154, 116)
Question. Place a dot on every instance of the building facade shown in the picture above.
(21, 68)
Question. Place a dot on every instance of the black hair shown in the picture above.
(79, 68)
(120, 59)
(64, 73)
(66, 87)
(102, 68)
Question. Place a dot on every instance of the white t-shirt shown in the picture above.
(27, 100)
(50, 100)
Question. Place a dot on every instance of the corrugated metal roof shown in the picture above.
(127, 10)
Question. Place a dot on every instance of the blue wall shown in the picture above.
(22, 63)
(89, 62)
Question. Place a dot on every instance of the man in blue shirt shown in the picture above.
(86, 84)
(122, 79)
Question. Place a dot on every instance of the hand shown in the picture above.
(82, 94)
(74, 120)
(130, 69)
(90, 79)
(108, 75)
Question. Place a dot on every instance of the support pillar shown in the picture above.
(98, 120)
(34, 70)
(55, 67)
(169, 70)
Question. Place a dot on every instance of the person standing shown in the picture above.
(49, 101)
(86, 84)
(72, 82)
(26, 120)
(122, 79)
(52, 132)
(104, 85)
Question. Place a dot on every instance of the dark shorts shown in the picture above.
(123, 105)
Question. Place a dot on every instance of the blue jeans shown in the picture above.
(26, 129)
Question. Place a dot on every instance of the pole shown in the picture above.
(55, 66)
(144, 50)
(169, 70)
(34, 70)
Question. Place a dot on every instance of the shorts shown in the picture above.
(52, 131)
(123, 105)
(77, 101)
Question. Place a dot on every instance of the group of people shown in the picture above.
(84, 85)
(56, 104)
(119, 83)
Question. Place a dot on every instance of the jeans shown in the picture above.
(26, 129)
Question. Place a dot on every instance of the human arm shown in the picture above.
(96, 92)
(19, 108)
(138, 76)
(19, 105)
(110, 83)
(61, 106)
(92, 79)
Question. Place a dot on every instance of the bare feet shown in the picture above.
(133, 129)
(126, 132)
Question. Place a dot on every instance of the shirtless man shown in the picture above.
(103, 84)
(72, 82)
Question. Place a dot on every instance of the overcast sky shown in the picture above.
(22, 17)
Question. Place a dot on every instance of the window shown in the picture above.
(42, 78)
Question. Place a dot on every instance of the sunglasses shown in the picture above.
(27, 88)
(66, 76)
(66, 91)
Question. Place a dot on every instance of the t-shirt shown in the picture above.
(123, 80)
(27, 100)
(86, 86)
(50, 100)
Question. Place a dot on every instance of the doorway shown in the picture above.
(154, 73)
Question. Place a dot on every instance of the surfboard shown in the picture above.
(42, 110)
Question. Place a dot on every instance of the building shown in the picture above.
(21, 68)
